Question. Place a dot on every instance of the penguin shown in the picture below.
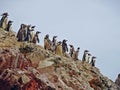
(35, 38)
(28, 35)
(21, 32)
(8, 28)
(93, 61)
(58, 50)
(64, 46)
(32, 33)
(47, 42)
(76, 53)
(24, 32)
(89, 55)
(33, 27)
(4, 20)
(54, 40)
(84, 55)
(71, 50)
(54, 43)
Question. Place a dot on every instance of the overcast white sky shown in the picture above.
(90, 24)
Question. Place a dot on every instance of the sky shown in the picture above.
(89, 24)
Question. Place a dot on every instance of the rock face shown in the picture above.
(118, 80)
(25, 66)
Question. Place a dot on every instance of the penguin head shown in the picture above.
(38, 32)
(59, 43)
(5, 14)
(24, 26)
(89, 54)
(78, 48)
(54, 36)
(33, 27)
(64, 41)
(47, 36)
(70, 45)
(93, 57)
(10, 22)
(86, 51)
(28, 26)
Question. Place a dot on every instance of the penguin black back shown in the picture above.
(9, 25)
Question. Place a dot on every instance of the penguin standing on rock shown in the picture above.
(33, 27)
(88, 60)
(54, 43)
(32, 33)
(4, 20)
(64, 46)
(47, 42)
(8, 28)
(76, 53)
(71, 50)
(84, 55)
(87, 57)
(21, 35)
(28, 34)
(93, 61)
(58, 50)
(54, 40)
(35, 39)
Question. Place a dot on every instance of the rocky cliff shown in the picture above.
(26, 66)
(117, 81)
